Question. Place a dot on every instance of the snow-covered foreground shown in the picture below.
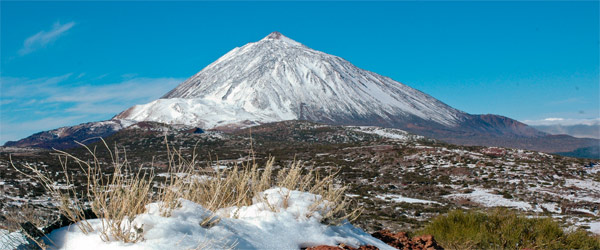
(256, 227)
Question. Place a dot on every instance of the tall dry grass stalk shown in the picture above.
(117, 197)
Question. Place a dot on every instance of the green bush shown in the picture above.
(581, 239)
(504, 229)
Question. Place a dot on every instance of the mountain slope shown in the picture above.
(65, 137)
(86, 133)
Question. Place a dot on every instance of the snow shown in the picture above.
(395, 134)
(576, 190)
(487, 199)
(278, 37)
(587, 211)
(593, 170)
(400, 198)
(594, 227)
(219, 167)
(201, 113)
(551, 207)
(11, 240)
(277, 79)
(290, 226)
(583, 184)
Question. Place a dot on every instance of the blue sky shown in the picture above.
(64, 63)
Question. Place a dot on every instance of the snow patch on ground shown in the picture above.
(485, 198)
(583, 184)
(400, 198)
(551, 207)
(390, 133)
(594, 227)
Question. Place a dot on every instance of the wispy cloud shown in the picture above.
(567, 101)
(139, 89)
(43, 38)
(563, 121)
(62, 89)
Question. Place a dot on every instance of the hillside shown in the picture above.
(402, 180)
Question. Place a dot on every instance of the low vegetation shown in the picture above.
(504, 229)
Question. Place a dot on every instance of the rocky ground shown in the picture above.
(401, 180)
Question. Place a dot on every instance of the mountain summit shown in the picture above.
(278, 79)
(275, 35)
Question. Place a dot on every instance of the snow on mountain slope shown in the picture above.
(278, 79)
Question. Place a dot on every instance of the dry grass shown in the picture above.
(13, 217)
(118, 197)
(238, 185)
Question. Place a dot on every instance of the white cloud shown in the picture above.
(137, 89)
(43, 38)
(48, 90)
(563, 121)
(567, 101)
(553, 119)
(19, 87)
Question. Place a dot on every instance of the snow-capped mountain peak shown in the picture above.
(275, 35)
(278, 79)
